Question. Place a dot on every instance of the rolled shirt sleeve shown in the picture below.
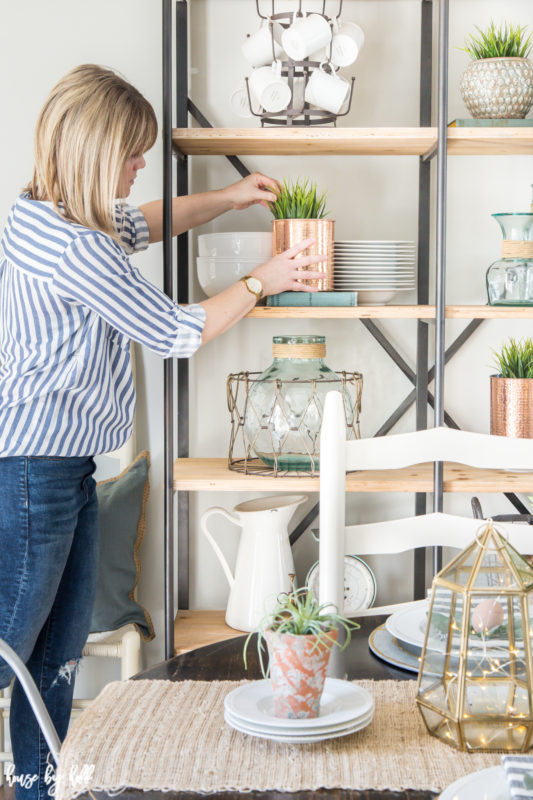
(132, 227)
(94, 271)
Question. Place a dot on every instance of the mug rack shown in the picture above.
(305, 114)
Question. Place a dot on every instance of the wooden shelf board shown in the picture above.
(343, 312)
(296, 141)
(194, 629)
(489, 312)
(490, 141)
(389, 312)
(212, 474)
(350, 141)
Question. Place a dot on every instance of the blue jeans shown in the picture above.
(48, 575)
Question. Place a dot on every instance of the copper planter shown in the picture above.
(511, 407)
(288, 232)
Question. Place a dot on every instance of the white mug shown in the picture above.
(239, 103)
(305, 36)
(257, 49)
(346, 44)
(326, 90)
(269, 88)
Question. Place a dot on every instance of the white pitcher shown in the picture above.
(264, 560)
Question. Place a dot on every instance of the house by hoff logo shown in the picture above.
(78, 775)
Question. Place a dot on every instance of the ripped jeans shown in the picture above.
(48, 575)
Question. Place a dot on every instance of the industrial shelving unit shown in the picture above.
(184, 474)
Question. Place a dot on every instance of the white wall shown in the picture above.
(368, 197)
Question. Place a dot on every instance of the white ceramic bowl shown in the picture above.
(249, 244)
(217, 274)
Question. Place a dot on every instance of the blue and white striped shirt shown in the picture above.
(70, 302)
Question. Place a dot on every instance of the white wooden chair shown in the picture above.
(337, 456)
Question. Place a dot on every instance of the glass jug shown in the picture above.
(284, 407)
(510, 279)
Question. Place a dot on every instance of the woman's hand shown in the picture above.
(253, 189)
(283, 272)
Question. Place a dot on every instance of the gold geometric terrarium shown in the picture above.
(475, 682)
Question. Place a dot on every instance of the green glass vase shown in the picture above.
(283, 412)
(510, 278)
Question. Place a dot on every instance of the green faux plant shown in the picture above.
(299, 613)
(505, 42)
(299, 200)
(515, 359)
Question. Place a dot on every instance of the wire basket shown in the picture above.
(296, 453)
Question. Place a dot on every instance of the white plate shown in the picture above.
(341, 702)
(408, 624)
(274, 730)
(300, 738)
(391, 262)
(356, 286)
(487, 784)
(391, 242)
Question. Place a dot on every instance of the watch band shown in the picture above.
(258, 295)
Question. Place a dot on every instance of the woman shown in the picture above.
(70, 302)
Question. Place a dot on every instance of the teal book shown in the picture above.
(313, 299)
(491, 123)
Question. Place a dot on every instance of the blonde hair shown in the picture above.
(91, 123)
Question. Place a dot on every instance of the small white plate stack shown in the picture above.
(377, 270)
(344, 708)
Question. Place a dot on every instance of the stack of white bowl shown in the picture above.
(224, 258)
(377, 270)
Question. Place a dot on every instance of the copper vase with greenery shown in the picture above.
(511, 390)
(300, 213)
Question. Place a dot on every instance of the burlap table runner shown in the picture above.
(172, 736)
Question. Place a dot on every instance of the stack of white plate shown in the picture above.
(224, 258)
(377, 270)
(344, 708)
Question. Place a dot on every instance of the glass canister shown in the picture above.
(284, 405)
(510, 279)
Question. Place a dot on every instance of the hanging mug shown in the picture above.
(271, 91)
(262, 46)
(346, 44)
(326, 90)
(306, 35)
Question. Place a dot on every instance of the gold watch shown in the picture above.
(253, 285)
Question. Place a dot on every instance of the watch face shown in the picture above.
(254, 284)
(359, 584)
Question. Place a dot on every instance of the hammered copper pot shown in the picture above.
(288, 232)
(511, 407)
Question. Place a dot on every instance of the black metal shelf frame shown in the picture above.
(420, 377)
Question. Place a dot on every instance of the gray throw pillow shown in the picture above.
(121, 511)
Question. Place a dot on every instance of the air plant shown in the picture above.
(299, 613)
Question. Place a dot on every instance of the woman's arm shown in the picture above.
(280, 274)
(196, 209)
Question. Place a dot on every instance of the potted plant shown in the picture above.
(300, 634)
(300, 213)
(511, 391)
(498, 84)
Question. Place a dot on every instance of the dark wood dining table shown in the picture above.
(223, 661)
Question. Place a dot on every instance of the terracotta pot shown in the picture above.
(297, 672)
(288, 232)
(498, 88)
(511, 407)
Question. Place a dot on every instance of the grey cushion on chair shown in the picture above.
(121, 510)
